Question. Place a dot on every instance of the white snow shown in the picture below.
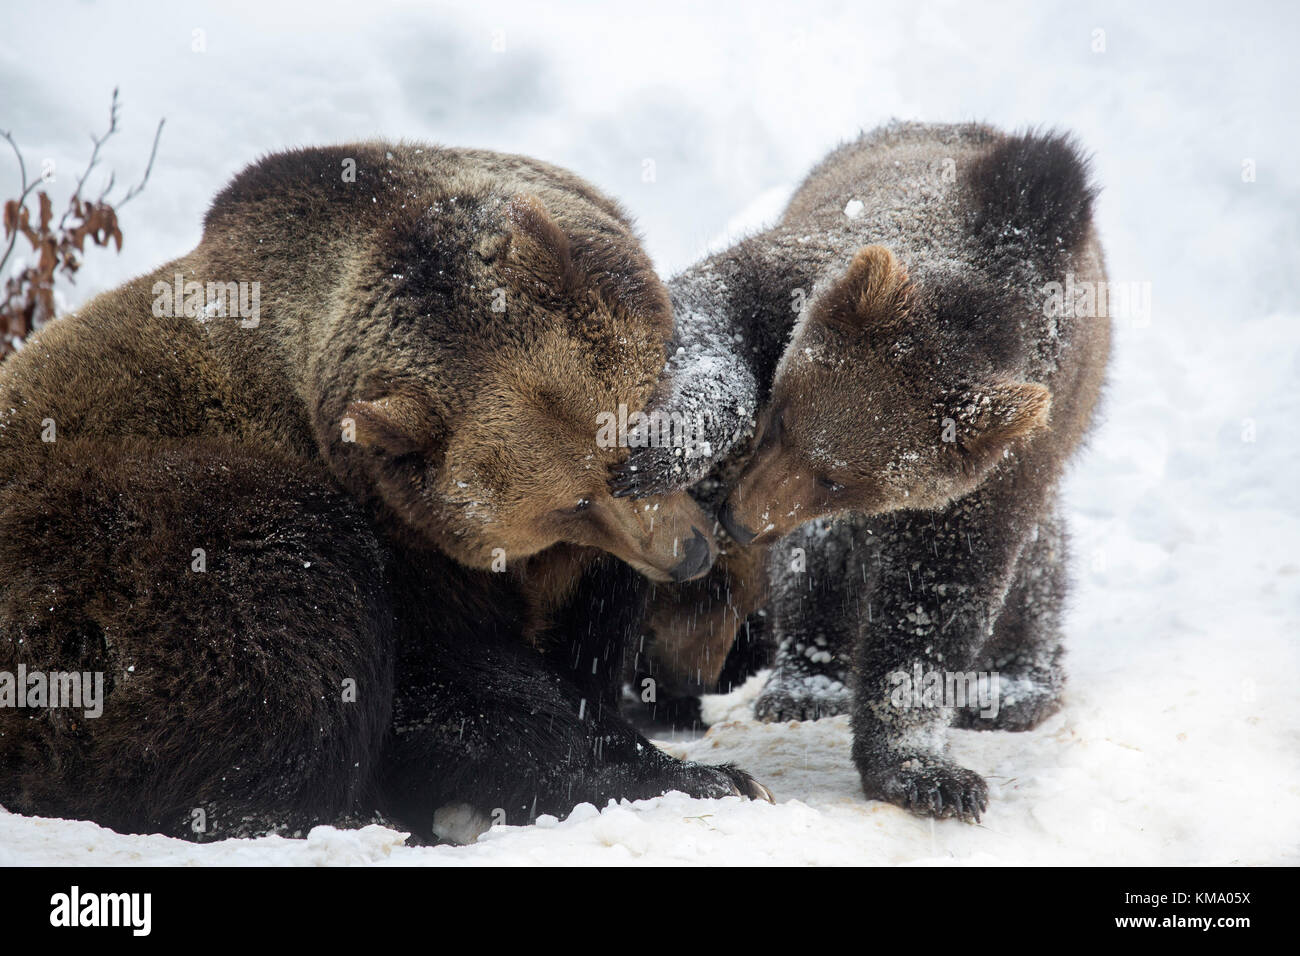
(1180, 741)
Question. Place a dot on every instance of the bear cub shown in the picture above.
(913, 433)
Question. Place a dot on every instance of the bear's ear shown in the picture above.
(1032, 190)
(874, 288)
(396, 424)
(1013, 409)
(539, 248)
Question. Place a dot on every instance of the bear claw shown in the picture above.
(756, 791)
(930, 787)
(743, 785)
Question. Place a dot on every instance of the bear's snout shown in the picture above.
(666, 538)
(739, 533)
(697, 558)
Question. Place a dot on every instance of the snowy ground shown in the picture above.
(1180, 742)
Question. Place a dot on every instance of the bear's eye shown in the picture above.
(831, 486)
(582, 505)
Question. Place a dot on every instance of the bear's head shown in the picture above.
(467, 406)
(867, 416)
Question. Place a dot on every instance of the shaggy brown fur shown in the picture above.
(240, 517)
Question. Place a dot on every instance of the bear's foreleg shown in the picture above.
(943, 578)
(1027, 650)
(820, 577)
(495, 725)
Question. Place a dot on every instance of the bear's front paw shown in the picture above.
(806, 697)
(928, 786)
(650, 471)
(1024, 703)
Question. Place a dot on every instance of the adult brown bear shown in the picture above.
(322, 501)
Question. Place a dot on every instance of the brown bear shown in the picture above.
(321, 504)
(916, 415)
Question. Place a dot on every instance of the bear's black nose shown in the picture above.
(695, 558)
(738, 531)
